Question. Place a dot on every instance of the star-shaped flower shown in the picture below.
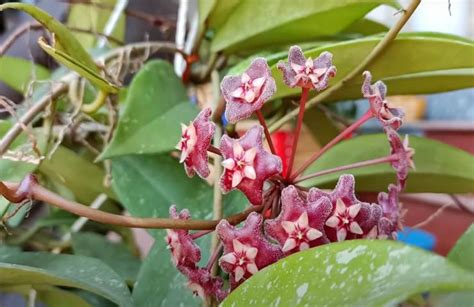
(195, 141)
(300, 224)
(203, 284)
(248, 92)
(390, 222)
(246, 250)
(247, 165)
(378, 105)
(350, 218)
(307, 73)
(184, 251)
(405, 155)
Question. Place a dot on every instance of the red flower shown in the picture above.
(351, 218)
(246, 250)
(248, 92)
(195, 141)
(247, 165)
(379, 106)
(307, 73)
(300, 224)
(184, 251)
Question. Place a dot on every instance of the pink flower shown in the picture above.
(390, 222)
(247, 165)
(248, 92)
(300, 224)
(246, 250)
(195, 141)
(307, 73)
(184, 251)
(405, 155)
(203, 284)
(379, 106)
(350, 218)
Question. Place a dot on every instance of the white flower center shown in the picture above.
(250, 89)
(241, 165)
(188, 141)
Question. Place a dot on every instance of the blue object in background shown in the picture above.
(417, 237)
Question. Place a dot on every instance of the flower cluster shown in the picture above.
(287, 218)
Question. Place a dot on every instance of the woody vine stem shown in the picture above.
(29, 189)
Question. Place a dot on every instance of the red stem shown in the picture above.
(299, 123)
(261, 119)
(368, 115)
(199, 234)
(214, 256)
(215, 150)
(386, 159)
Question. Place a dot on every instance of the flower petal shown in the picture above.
(238, 246)
(340, 206)
(341, 234)
(236, 178)
(289, 245)
(228, 163)
(251, 253)
(303, 220)
(354, 210)
(239, 273)
(332, 222)
(252, 268)
(229, 258)
(313, 234)
(355, 228)
(289, 227)
(249, 172)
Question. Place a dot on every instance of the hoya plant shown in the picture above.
(120, 137)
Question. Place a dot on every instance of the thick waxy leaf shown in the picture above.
(63, 270)
(366, 27)
(414, 63)
(116, 255)
(147, 186)
(82, 177)
(64, 38)
(156, 105)
(440, 168)
(351, 273)
(17, 73)
(85, 71)
(279, 21)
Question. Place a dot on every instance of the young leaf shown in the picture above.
(351, 273)
(414, 63)
(156, 105)
(24, 268)
(440, 168)
(250, 26)
(83, 70)
(65, 40)
(17, 72)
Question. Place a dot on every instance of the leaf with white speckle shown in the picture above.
(351, 273)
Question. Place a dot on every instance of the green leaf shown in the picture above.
(321, 127)
(17, 73)
(81, 176)
(462, 255)
(271, 22)
(366, 27)
(351, 273)
(440, 168)
(221, 12)
(63, 270)
(64, 38)
(50, 296)
(463, 252)
(85, 71)
(93, 18)
(147, 185)
(414, 63)
(156, 104)
(115, 255)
